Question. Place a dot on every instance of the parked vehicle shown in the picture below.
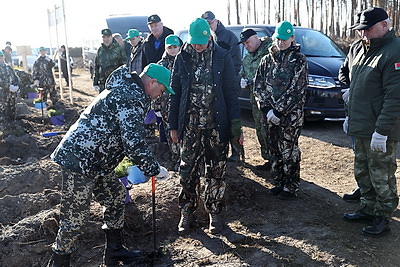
(323, 95)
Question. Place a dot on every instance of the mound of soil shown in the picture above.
(261, 230)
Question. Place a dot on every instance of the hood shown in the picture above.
(324, 66)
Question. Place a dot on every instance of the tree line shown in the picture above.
(332, 17)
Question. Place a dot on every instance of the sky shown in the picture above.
(26, 22)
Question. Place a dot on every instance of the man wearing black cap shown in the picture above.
(110, 56)
(257, 48)
(154, 45)
(374, 120)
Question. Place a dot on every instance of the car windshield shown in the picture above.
(315, 44)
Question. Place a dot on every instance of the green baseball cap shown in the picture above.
(172, 40)
(161, 74)
(132, 33)
(1, 53)
(42, 48)
(199, 32)
(284, 30)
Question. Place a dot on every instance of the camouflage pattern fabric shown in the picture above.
(77, 191)
(375, 173)
(280, 83)
(7, 98)
(25, 81)
(135, 59)
(107, 60)
(198, 147)
(110, 128)
(43, 72)
(249, 68)
(164, 105)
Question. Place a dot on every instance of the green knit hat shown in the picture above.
(161, 74)
(199, 32)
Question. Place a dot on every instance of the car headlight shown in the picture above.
(322, 82)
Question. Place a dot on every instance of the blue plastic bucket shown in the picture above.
(40, 105)
(33, 95)
(135, 175)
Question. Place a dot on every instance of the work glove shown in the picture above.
(345, 95)
(243, 83)
(36, 82)
(163, 174)
(346, 125)
(96, 88)
(271, 117)
(158, 114)
(378, 142)
(13, 88)
(236, 128)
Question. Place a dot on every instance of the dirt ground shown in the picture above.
(261, 230)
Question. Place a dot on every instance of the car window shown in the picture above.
(315, 43)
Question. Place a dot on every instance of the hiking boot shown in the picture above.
(284, 195)
(275, 190)
(59, 260)
(264, 167)
(216, 223)
(185, 221)
(355, 196)
(378, 225)
(358, 216)
(115, 252)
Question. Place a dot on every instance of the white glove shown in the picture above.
(243, 83)
(346, 125)
(345, 95)
(163, 174)
(96, 88)
(158, 114)
(271, 117)
(378, 142)
(36, 82)
(13, 88)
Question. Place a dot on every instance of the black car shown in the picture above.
(323, 95)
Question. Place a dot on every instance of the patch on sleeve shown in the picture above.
(397, 66)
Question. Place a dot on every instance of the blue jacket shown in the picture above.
(226, 91)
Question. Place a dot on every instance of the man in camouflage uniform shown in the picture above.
(42, 74)
(279, 91)
(107, 131)
(374, 120)
(25, 82)
(204, 115)
(8, 88)
(109, 56)
(257, 48)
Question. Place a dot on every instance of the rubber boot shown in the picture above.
(115, 252)
(216, 223)
(59, 260)
(185, 221)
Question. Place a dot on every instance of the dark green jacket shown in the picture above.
(374, 103)
(107, 60)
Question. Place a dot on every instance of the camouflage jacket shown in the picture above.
(7, 78)
(25, 79)
(280, 83)
(110, 128)
(252, 60)
(224, 87)
(108, 58)
(43, 71)
(162, 103)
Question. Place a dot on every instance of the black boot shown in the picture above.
(115, 252)
(59, 260)
(355, 196)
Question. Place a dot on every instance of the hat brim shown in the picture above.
(363, 26)
(169, 89)
(282, 36)
(203, 40)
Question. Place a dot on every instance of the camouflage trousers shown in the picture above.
(7, 107)
(259, 122)
(375, 174)
(202, 149)
(51, 90)
(77, 190)
(285, 155)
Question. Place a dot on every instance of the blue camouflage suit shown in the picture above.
(109, 129)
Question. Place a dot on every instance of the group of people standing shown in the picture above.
(197, 84)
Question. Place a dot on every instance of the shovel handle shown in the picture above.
(53, 133)
(153, 202)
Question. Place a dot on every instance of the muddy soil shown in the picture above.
(261, 230)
